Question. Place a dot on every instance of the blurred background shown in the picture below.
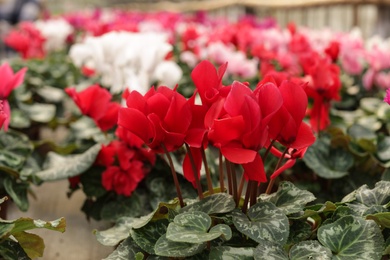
(372, 16)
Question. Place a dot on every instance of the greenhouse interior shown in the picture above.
(195, 129)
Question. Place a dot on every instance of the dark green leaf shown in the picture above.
(122, 207)
(327, 162)
(125, 251)
(273, 251)
(147, 236)
(17, 191)
(119, 232)
(11, 250)
(382, 219)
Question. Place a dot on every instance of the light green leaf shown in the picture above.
(289, 198)
(125, 251)
(23, 224)
(382, 219)
(191, 227)
(273, 251)
(147, 236)
(352, 238)
(119, 232)
(266, 222)
(166, 247)
(215, 203)
(310, 250)
(38, 112)
(57, 167)
(32, 244)
(5, 230)
(85, 128)
(231, 253)
(383, 149)
(327, 162)
(19, 119)
(163, 211)
(51, 94)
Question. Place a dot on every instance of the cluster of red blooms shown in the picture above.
(27, 40)
(236, 119)
(125, 160)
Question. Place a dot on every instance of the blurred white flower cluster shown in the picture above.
(55, 32)
(128, 60)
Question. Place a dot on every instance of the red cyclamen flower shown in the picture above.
(160, 118)
(387, 97)
(94, 102)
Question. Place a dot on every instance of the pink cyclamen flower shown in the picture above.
(387, 97)
(8, 82)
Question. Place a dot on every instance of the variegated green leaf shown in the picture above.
(231, 253)
(379, 195)
(215, 203)
(147, 236)
(125, 251)
(310, 250)
(119, 232)
(166, 247)
(289, 198)
(352, 238)
(272, 250)
(299, 231)
(192, 227)
(266, 222)
(42, 113)
(51, 94)
(17, 191)
(57, 167)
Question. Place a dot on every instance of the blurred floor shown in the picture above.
(78, 241)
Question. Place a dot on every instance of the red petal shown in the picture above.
(305, 137)
(254, 170)
(227, 129)
(290, 163)
(188, 167)
(136, 122)
(204, 76)
(238, 154)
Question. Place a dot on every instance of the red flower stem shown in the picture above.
(241, 186)
(175, 180)
(221, 174)
(208, 175)
(272, 181)
(253, 199)
(268, 149)
(194, 170)
(234, 182)
(229, 176)
(247, 195)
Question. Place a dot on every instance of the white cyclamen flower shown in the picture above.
(55, 31)
(123, 59)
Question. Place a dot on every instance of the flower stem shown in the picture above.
(221, 175)
(247, 195)
(272, 181)
(194, 170)
(234, 183)
(241, 186)
(254, 193)
(229, 176)
(208, 175)
(174, 175)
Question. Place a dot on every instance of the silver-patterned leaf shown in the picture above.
(119, 232)
(192, 227)
(51, 94)
(37, 112)
(310, 250)
(379, 195)
(231, 253)
(289, 198)
(352, 238)
(147, 236)
(273, 251)
(57, 167)
(215, 203)
(266, 222)
(166, 247)
(125, 251)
